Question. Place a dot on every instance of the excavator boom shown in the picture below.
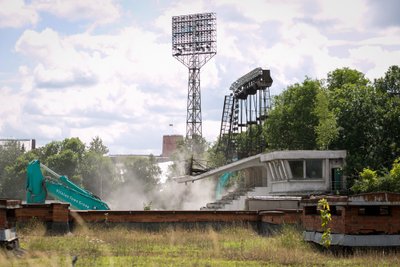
(59, 187)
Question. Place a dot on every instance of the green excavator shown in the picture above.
(59, 187)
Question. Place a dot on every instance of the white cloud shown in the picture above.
(11, 104)
(228, 42)
(344, 15)
(180, 8)
(379, 58)
(52, 132)
(48, 47)
(16, 13)
(261, 10)
(108, 133)
(60, 64)
(122, 83)
(386, 37)
(100, 12)
(211, 129)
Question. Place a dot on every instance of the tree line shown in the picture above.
(86, 165)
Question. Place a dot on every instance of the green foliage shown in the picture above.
(370, 181)
(13, 182)
(325, 214)
(291, 124)
(86, 167)
(395, 171)
(216, 154)
(97, 172)
(96, 146)
(327, 129)
(359, 113)
(367, 182)
(390, 83)
(64, 157)
(341, 77)
(345, 112)
(250, 142)
(368, 121)
(9, 152)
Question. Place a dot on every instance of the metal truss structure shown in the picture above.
(194, 42)
(245, 110)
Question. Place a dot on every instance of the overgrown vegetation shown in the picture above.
(344, 111)
(86, 165)
(176, 247)
(325, 213)
(370, 180)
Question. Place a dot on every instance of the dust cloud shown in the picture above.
(193, 196)
(166, 195)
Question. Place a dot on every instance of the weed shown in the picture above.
(236, 246)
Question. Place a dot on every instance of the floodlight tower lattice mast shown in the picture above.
(194, 43)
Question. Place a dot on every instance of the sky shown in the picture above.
(105, 68)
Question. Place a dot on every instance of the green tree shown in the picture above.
(9, 152)
(340, 77)
(368, 129)
(326, 130)
(388, 87)
(14, 179)
(354, 103)
(216, 155)
(326, 217)
(292, 122)
(67, 158)
(390, 83)
(370, 180)
(97, 171)
(367, 181)
(97, 146)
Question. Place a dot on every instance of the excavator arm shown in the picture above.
(59, 187)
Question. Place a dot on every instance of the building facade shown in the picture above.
(25, 144)
(282, 173)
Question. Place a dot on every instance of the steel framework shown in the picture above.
(194, 42)
(245, 110)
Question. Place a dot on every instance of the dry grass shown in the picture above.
(230, 247)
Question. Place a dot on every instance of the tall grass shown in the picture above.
(236, 246)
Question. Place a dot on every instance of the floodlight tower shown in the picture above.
(194, 42)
